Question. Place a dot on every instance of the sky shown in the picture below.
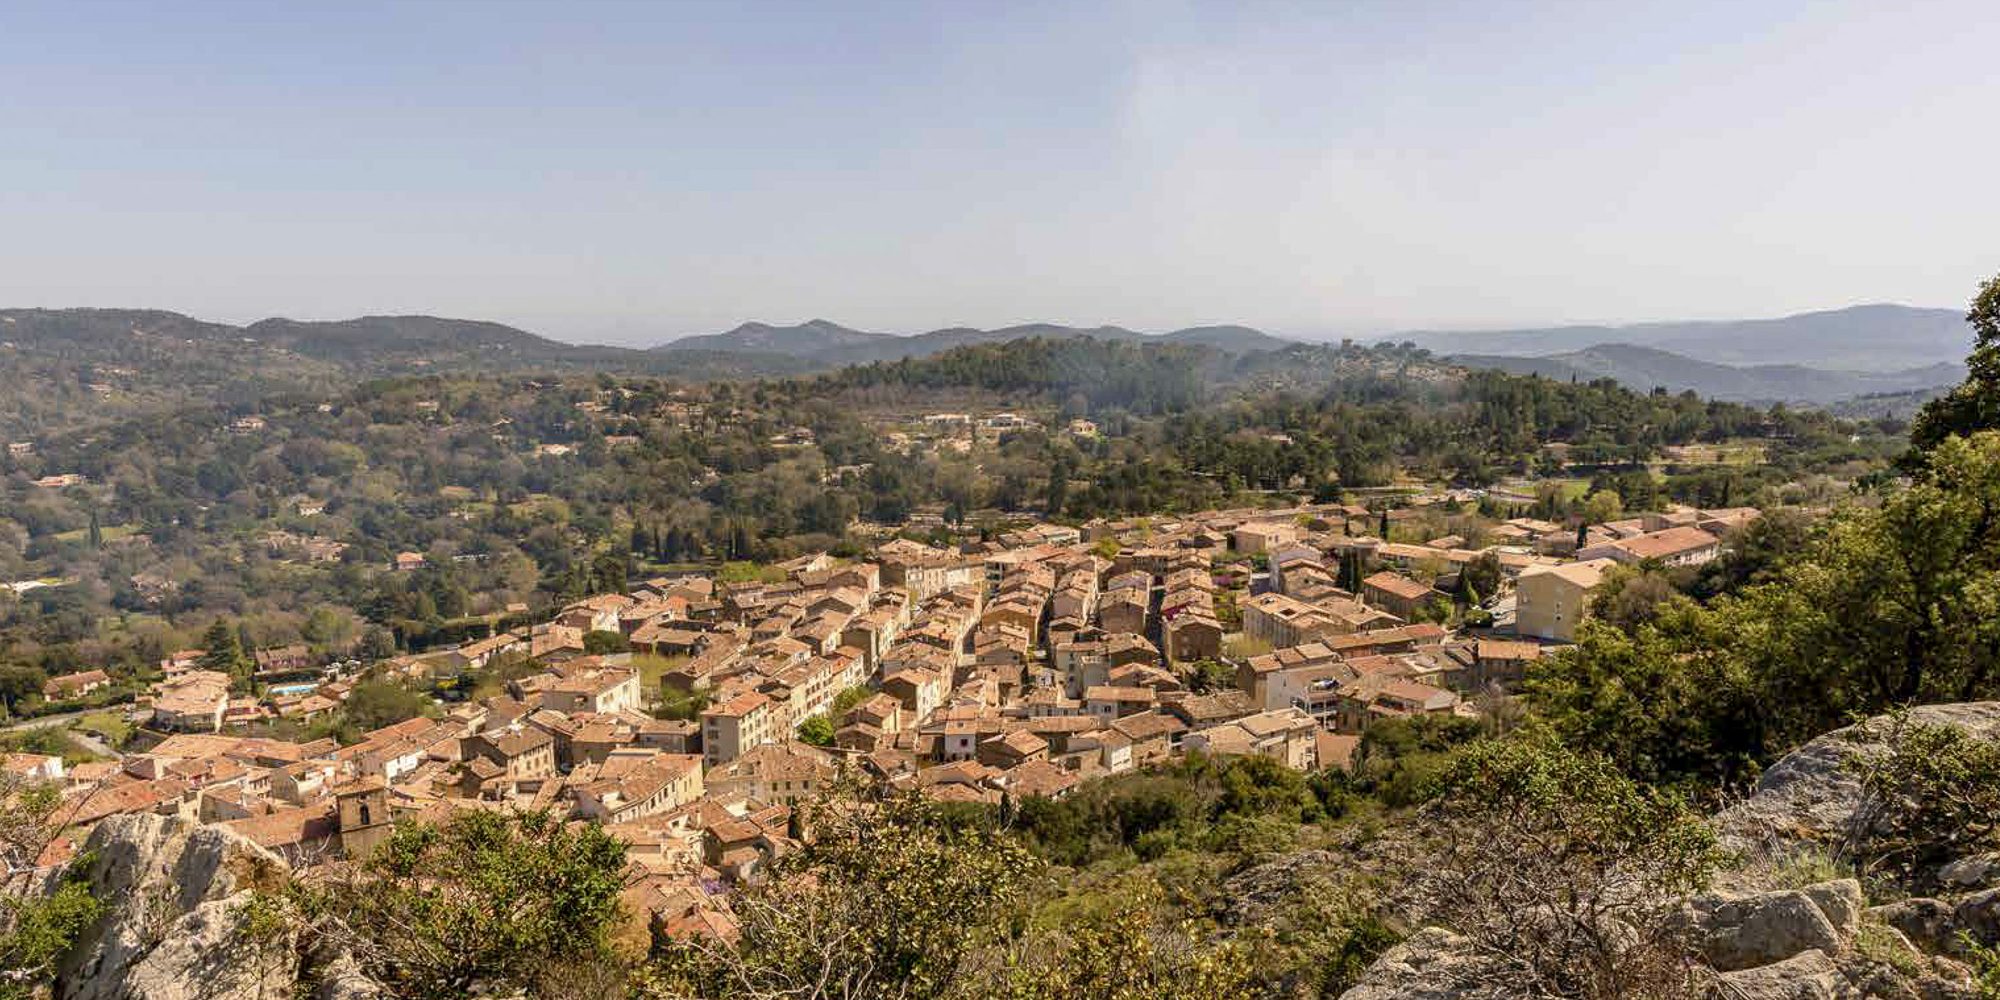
(630, 172)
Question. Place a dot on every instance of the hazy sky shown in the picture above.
(633, 171)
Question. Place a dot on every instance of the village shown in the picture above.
(995, 671)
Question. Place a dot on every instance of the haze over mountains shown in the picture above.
(831, 343)
(1877, 338)
(1818, 357)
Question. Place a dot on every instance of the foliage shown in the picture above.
(1890, 606)
(1326, 936)
(1630, 597)
(1242, 805)
(1204, 676)
(223, 651)
(377, 703)
(36, 930)
(682, 705)
(1665, 702)
(1975, 404)
(1932, 798)
(1985, 962)
(817, 730)
(885, 900)
(485, 901)
(599, 643)
(1130, 953)
(1883, 606)
(845, 701)
(1562, 871)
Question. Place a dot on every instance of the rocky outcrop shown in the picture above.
(1433, 964)
(1808, 975)
(183, 921)
(1735, 931)
(175, 927)
(1810, 797)
(1819, 942)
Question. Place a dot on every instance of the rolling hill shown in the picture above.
(1644, 368)
(1864, 338)
(831, 345)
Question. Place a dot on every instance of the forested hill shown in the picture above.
(71, 368)
(830, 345)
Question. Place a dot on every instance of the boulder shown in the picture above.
(1811, 795)
(1930, 924)
(1979, 871)
(1809, 975)
(1978, 917)
(1841, 900)
(1745, 930)
(1432, 964)
(174, 929)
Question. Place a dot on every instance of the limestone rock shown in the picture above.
(341, 978)
(1930, 924)
(1744, 930)
(1979, 871)
(1809, 975)
(1433, 964)
(1841, 901)
(1978, 916)
(1811, 796)
(173, 929)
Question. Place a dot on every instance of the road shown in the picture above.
(83, 739)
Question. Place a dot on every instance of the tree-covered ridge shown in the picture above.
(530, 490)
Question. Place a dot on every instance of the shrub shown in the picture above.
(484, 901)
(1933, 797)
(1563, 870)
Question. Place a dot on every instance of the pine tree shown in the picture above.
(223, 650)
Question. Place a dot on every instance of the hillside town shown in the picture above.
(692, 715)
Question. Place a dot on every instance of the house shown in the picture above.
(1109, 703)
(1286, 735)
(499, 760)
(787, 772)
(66, 686)
(1551, 600)
(1038, 779)
(1498, 662)
(1124, 609)
(1262, 536)
(634, 785)
(33, 766)
(1397, 594)
(1684, 545)
(1385, 695)
(194, 701)
(747, 720)
(407, 562)
(1282, 621)
(283, 659)
(1205, 711)
(597, 691)
(1193, 637)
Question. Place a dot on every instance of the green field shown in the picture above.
(109, 533)
(108, 725)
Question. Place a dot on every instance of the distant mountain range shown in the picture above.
(1644, 368)
(1866, 338)
(834, 345)
(140, 359)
